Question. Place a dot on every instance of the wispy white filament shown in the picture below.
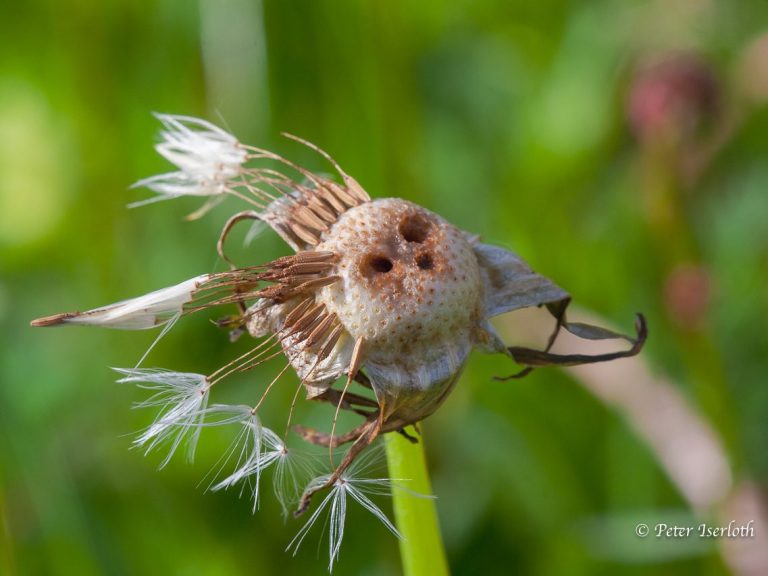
(177, 184)
(206, 156)
(288, 468)
(182, 398)
(257, 448)
(199, 147)
(246, 447)
(256, 229)
(345, 486)
(145, 311)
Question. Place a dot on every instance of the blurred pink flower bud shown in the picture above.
(672, 97)
(687, 294)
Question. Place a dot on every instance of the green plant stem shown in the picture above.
(421, 547)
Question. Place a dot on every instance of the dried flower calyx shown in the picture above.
(382, 293)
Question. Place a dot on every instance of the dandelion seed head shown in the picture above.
(382, 292)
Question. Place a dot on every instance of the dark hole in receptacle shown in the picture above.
(414, 228)
(424, 261)
(379, 264)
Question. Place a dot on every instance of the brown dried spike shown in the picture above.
(315, 256)
(306, 319)
(327, 195)
(276, 293)
(279, 293)
(297, 274)
(315, 284)
(330, 342)
(317, 334)
(341, 193)
(298, 311)
(290, 269)
(301, 257)
(285, 291)
(307, 268)
(303, 233)
(354, 188)
(304, 334)
(317, 206)
(284, 261)
(309, 218)
(358, 353)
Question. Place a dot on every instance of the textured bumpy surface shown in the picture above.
(410, 288)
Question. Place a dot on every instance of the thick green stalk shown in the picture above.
(421, 547)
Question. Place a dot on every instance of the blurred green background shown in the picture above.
(620, 147)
